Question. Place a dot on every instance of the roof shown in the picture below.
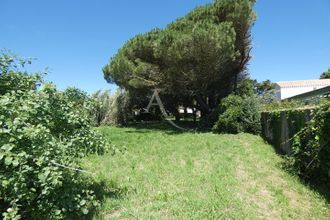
(304, 83)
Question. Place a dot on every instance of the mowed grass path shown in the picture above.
(160, 174)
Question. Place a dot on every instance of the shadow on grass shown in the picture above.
(105, 190)
(322, 189)
(277, 150)
(166, 127)
(316, 184)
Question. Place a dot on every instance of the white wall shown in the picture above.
(289, 92)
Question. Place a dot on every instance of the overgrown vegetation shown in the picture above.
(240, 111)
(239, 114)
(279, 126)
(311, 148)
(302, 131)
(42, 131)
(285, 105)
(111, 109)
(102, 106)
(198, 62)
(119, 110)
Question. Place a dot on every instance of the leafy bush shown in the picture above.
(311, 147)
(239, 114)
(82, 101)
(13, 78)
(78, 97)
(41, 130)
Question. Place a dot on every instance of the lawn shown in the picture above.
(162, 174)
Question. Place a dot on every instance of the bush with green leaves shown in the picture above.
(82, 101)
(311, 147)
(12, 77)
(239, 114)
(41, 130)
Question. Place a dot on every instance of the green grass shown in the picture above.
(162, 174)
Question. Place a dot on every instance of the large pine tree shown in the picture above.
(197, 57)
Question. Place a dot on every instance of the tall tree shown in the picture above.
(197, 57)
(264, 86)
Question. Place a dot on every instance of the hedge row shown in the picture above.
(310, 156)
(279, 127)
(304, 135)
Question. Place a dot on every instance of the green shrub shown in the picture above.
(13, 78)
(283, 105)
(40, 129)
(311, 147)
(239, 114)
(82, 101)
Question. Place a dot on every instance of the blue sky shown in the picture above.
(76, 38)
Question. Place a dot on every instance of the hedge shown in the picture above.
(279, 127)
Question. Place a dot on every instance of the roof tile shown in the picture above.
(304, 83)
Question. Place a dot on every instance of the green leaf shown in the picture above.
(15, 163)
(82, 202)
(7, 147)
(5, 183)
(85, 211)
(1, 155)
(8, 161)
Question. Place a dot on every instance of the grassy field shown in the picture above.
(162, 174)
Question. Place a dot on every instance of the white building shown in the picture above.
(284, 90)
